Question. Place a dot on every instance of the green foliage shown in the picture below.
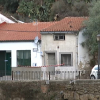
(42, 9)
(9, 5)
(65, 9)
(71, 1)
(26, 8)
(93, 28)
(45, 10)
(33, 11)
(50, 8)
(83, 44)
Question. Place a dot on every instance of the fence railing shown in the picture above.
(44, 75)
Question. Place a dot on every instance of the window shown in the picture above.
(66, 59)
(23, 57)
(96, 67)
(59, 37)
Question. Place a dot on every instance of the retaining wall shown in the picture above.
(50, 90)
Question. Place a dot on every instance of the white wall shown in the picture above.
(83, 56)
(69, 45)
(14, 46)
(5, 19)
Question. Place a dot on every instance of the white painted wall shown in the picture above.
(72, 43)
(5, 19)
(83, 56)
(14, 46)
(69, 45)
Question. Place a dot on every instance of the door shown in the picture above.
(8, 63)
(51, 58)
(2, 63)
(51, 61)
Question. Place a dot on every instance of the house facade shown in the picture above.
(24, 53)
(20, 44)
(61, 44)
(57, 52)
(44, 44)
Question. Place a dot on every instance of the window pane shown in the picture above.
(27, 58)
(96, 67)
(24, 57)
(20, 54)
(61, 37)
(66, 59)
(27, 54)
(56, 37)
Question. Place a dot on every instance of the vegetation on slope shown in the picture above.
(45, 10)
(92, 30)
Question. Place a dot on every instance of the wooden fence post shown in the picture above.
(12, 75)
(49, 75)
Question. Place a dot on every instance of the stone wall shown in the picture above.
(50, 90)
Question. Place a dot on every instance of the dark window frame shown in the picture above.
(58, 37)
(69, 53)
(23, 57)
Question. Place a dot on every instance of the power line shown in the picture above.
(18, 31)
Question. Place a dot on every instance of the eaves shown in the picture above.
(57, 32)
(18, 40)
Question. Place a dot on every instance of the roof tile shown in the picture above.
(28, 31)
(67, 24)
(21, 31)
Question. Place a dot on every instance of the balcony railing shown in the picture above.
(44, 75)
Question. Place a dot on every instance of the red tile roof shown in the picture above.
(67, 24)
(21, 31)
(28, 31)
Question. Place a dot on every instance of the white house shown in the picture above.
(20, 44)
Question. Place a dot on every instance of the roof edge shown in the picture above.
(2, 23)
(18, 41)
(56, 32)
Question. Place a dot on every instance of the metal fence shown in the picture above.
(44, 75)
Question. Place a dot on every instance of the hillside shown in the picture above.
(44, 10)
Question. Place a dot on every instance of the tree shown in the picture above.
(92, 29)
(35, 11)
(9, 5)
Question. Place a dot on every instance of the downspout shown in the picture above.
(76, 67)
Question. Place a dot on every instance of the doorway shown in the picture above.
(8, 63)
(51, 58)
(5, 63)
(51, 61)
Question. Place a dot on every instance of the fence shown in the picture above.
(44, 75)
